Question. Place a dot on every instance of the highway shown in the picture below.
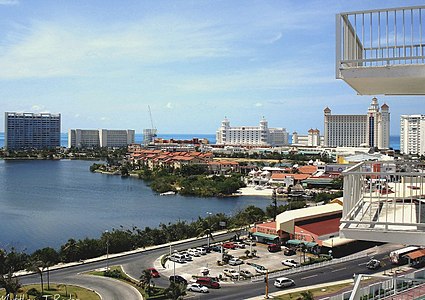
(133, 264)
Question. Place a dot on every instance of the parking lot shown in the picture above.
(210, 262)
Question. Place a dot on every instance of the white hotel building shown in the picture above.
(251, 135)
(82, 138)
(371, 129)
(412, 134)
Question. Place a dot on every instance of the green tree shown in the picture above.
(307, 295)
(145, 281)
(10, 284)
(37, 267)
(175, 291)
(48, 257)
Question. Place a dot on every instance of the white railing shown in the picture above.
(309, 267)
(380, 38)
(384, 197)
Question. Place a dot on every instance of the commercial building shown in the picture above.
(251, 135)
(31, 130)
(371, 129)
(82, 138)
(312, 139)
(412, 134)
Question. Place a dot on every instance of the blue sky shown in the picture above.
(101, 63)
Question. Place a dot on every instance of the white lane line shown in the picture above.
(309, 276)
(362, 264)
(338, 270)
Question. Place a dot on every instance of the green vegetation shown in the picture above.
(65, 292)
(318, 292)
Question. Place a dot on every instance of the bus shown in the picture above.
(396, 256)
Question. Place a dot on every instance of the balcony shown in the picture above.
(385, 201)
(382, 51)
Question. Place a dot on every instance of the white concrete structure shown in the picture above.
(312, 139)
(149, 135)
(382, 51)
(371, 129)
(251, 135)
(412, 134)
(81, 138)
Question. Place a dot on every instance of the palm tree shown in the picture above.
(175, 291)
(145, 280)
(37, 267)
(307, 295)
(10, 284)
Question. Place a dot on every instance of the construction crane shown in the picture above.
(149, 135)
(150, 115)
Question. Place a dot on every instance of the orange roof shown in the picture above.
(416, 254)
(307, 169)
(271, 225)
(279, 176)
(227, 162)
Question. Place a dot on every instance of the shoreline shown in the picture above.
(251, 191)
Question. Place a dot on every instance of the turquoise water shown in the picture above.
(44, 203)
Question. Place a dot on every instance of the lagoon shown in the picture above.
(44, 203)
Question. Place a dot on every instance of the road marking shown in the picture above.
(309, 276)
(338, 270)
(362, 264)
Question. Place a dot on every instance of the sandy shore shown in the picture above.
(251, 191)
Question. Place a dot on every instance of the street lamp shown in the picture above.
(107, 249)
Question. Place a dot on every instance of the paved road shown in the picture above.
(134, 264)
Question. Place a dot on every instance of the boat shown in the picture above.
(168, 193)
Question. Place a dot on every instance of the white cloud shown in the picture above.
(275, 38)
(104, 119)
(258, 104)
(169, 105)
(37, 108)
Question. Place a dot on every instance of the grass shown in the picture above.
(124, 278)
(316, 292)
(65, 292)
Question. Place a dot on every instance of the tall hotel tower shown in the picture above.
(31, 131)
(371, 129)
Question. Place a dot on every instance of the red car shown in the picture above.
(229, 245)
(154, 272)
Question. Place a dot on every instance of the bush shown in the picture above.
(113, 274)
(34, 292)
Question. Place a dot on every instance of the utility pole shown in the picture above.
(267, 284)
(274, 201)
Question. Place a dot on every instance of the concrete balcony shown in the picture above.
(385, 201)
(382, 51)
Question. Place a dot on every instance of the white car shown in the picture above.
(196, 287)
(246, 274)
(260, 269)
(232, 273)
(240, 245)
(290, 263)
(283, 282)
(201, 250)
(193, 252)
(235, 261)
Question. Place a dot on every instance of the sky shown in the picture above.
(102, 63)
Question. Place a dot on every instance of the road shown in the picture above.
(133, 264)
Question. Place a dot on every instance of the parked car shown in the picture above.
(187, 256)
(232, 273)
(240, 245)
(229, 245)
(373, 264)
(196, 287)
(283, 282)
(289, 252)
(178, 279)
(290, 263)
(260, 269)
(249, 242)
(274, 248)
(177, 257)
(216, 248)
(154, 272)
(246, 273)
(235, 261)
(202, 250)
(210, 282)
(193, 252)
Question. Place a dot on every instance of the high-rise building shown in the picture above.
(312, 139)
(412, 134)
(371, 129)
(24, 131)
(82, 138)
(251, 135)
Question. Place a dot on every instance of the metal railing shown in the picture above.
(384, 37)
(384, 197)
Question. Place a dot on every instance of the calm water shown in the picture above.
(43, 203)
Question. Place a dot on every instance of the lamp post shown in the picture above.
(107, 249)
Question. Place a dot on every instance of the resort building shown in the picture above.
(83, 138)
(371, 129)
(251, 135)
(412, 133)
(312, 139)
(31, 130)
